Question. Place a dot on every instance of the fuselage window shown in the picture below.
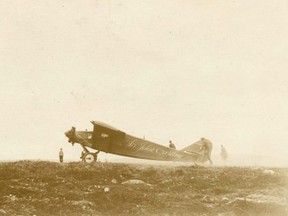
(104, 135)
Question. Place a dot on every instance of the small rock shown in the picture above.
(114, 181)
(261, 198)
(268, 172)
(230, 213)
(106, 189)
(2, 211)
(207, 199)
(197, 196)
(134, 181)
(165, 181)
(12, 197)
(82, 203)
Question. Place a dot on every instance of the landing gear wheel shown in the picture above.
(89, 158)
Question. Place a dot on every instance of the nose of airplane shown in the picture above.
(67, 134)
(70, 135)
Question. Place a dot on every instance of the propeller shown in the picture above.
(70, 134)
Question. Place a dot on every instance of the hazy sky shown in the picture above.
(178, 70)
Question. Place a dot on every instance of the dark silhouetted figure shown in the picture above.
(205, 148)
(223, 154)
(61, 155)
(171, 145)
(83, 156)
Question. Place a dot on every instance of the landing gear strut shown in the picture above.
(90, 157)
(87, 156)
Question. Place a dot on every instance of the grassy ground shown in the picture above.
(48, 188)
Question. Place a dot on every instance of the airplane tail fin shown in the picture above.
(195, 148)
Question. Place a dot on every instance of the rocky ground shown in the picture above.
(48, 188)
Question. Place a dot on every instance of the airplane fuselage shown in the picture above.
(110, 140)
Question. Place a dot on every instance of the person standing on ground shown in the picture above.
(205, 148)
(83, 156)
(61, 155)
(223, 154)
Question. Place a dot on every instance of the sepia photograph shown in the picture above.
(137, 108)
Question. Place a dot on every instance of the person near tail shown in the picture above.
(223, 154)
(205, 148)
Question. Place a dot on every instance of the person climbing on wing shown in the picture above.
(171, 145)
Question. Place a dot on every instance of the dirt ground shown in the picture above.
(49, 188)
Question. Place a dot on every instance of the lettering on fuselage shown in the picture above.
(139, 145)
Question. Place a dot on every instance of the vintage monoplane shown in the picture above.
(111, 140)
